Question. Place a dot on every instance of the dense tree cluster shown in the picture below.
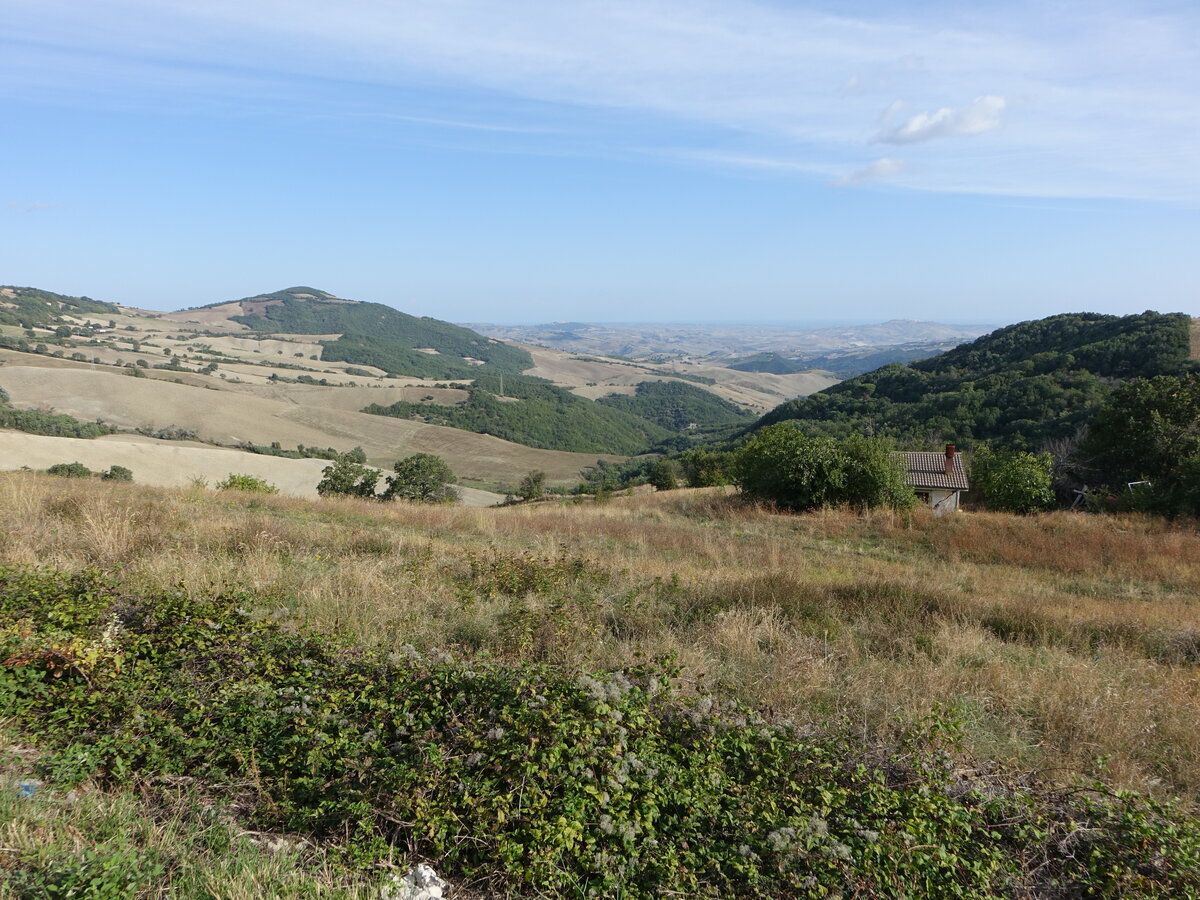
(536, 413)
(678, 406)
(1016, 387)
(1149, 430)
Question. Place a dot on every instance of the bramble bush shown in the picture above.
(533, 780)
(70, 470)
(249, 483)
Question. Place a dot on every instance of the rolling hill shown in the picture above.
(376, 335)
(1018, 386)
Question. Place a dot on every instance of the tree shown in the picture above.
(532, 486)
(347, 477)
(662, 475)
(706, 468)
(783, 465)
(423, 478)
(1016, 482)
(1149, 429)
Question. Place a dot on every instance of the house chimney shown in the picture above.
(950, 451)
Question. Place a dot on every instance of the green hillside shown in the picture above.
(27, 307)
(843, 363)
(772, 363)
(377, 335)
(537, 414)
(677, 406)
(1018, 386)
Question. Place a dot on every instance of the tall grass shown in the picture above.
(1067, 645)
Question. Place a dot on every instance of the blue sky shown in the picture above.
(607, 160)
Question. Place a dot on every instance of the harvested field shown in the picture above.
(230, 417)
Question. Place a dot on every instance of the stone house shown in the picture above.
(938, 478)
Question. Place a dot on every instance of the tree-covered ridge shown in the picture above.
(677, 406)
(26, 306)
(377, 335)
(1018, 387)
(537, 414)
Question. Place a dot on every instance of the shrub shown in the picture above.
(348, 478)
(1016, 482)
(782, 465)
(422, 477)
(70, 470)
(117, 473)
(249, 483)
(533, 485)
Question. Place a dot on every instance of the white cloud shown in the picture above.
(880, 168)
(1109, 91)
(982, 115)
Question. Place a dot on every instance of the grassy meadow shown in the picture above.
(1061, 650)
(1065, 645)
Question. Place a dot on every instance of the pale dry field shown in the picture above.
(1065, 645)
(592, 378)
(179, 463)
(231, 417)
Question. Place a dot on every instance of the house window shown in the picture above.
(923, 497)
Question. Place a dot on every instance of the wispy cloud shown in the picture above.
(880, 168)
(1082, 98)
(980, 116)
(26, 208)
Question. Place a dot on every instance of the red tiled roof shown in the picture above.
(928, 470)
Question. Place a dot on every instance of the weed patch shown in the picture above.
(529, 778)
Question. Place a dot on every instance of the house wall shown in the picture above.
(943, 501)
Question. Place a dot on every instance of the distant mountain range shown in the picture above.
(660, 341)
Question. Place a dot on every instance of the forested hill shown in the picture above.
(1018, 386)
(377, 335)
(26, 306)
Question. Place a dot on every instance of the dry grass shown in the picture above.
(1066, 644)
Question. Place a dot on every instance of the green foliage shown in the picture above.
(662, 475)
(28, 307)
(1018, 387)
(70, 470)
(376, 335)
(772, 363)
(347, 477)
(781, 464)
(532, 486)
(54, 424)
(532, 780)
(422, 478)
(1013, 481)
(707, 468)
(117, 473)
(1150, 430)
(677, 406)
(249, 483)
(536, 414)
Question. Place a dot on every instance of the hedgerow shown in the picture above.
(529, 779)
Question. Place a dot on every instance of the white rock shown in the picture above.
(421, 883)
